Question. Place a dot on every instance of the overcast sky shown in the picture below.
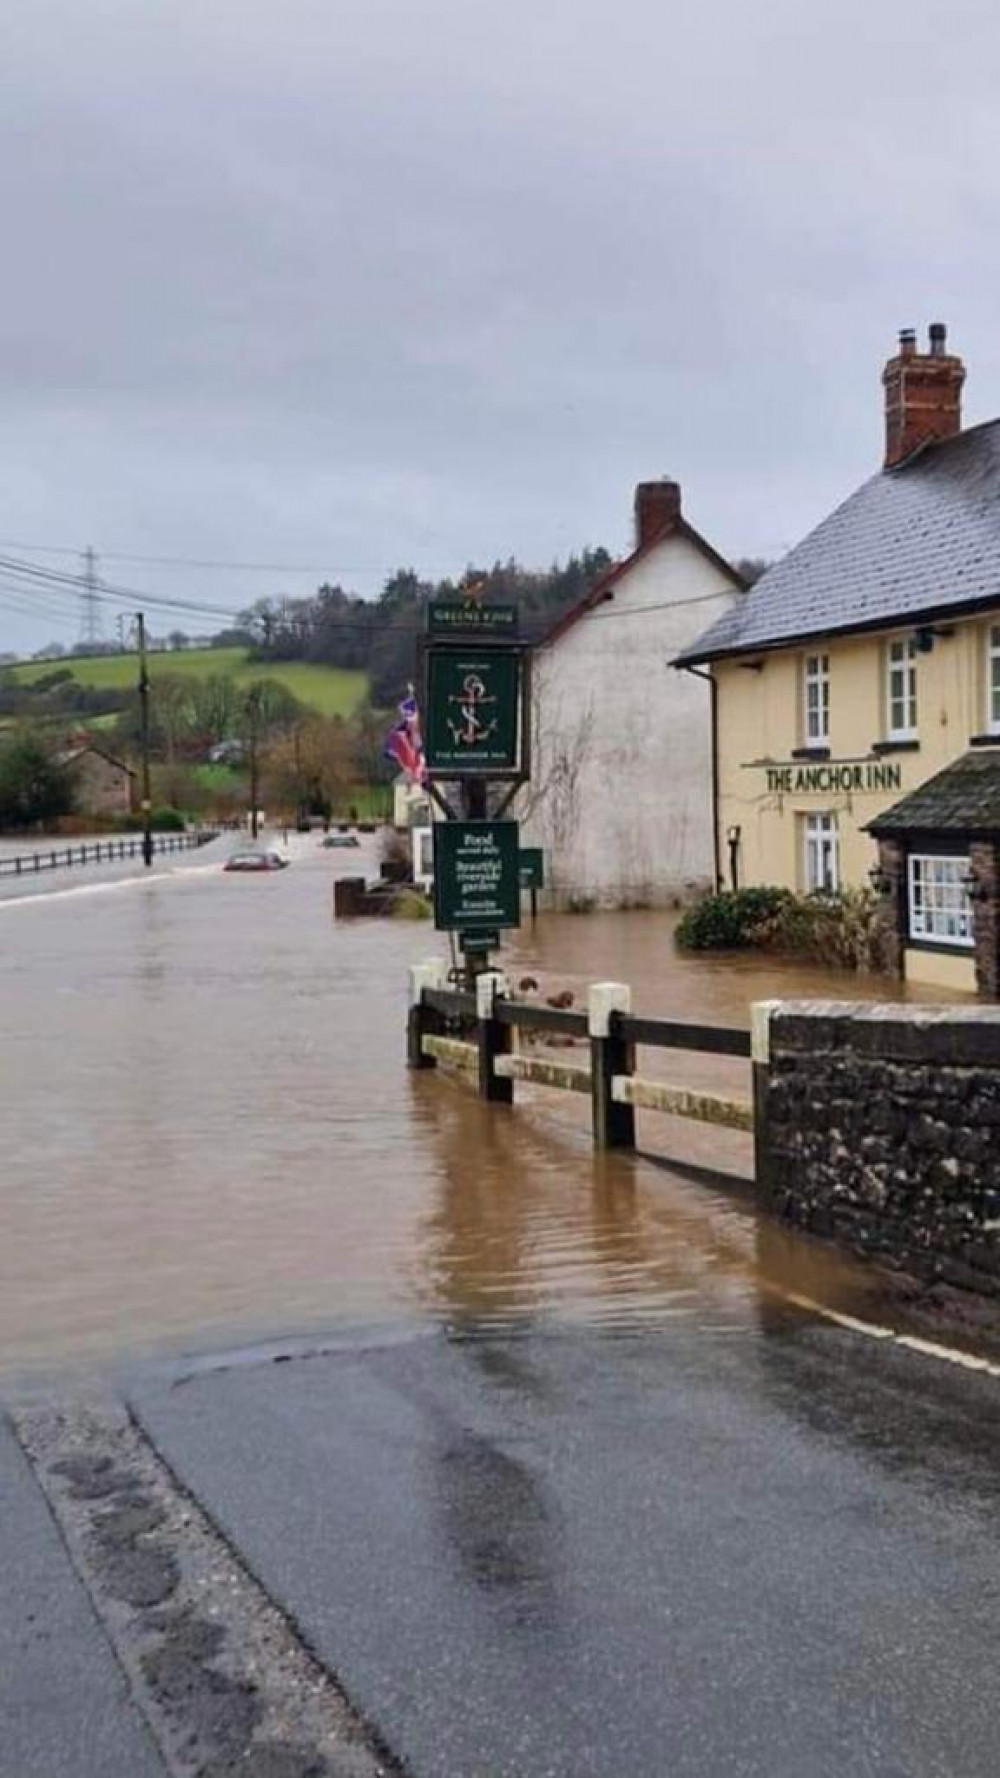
(359, 283)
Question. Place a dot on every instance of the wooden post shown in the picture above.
(614, 1124)
(431, 974)
(493, 1038)
(760, 1039)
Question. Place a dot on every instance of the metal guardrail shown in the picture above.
(98, 852)
(475, 1031)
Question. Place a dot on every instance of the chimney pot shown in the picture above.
(907, 342)
(937, 333)
(657, 510)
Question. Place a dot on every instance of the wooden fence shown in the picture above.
(474, 1033)
(98, 852)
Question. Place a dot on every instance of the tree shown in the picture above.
(34, 786)
(751, 568)
(311, 767)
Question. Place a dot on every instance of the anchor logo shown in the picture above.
(475, 723)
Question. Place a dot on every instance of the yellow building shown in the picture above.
(863, 666)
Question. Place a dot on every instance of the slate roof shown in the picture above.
(963, 798)
(70, 755)
(912, 542)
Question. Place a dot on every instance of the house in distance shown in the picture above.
(621, 792)
(102, 785)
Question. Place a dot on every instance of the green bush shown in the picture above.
(409, 904)
(829, 926)
(729, 920)
(167, 821)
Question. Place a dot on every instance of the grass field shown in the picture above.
(332, 691)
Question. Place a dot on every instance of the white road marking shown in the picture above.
(873, 1331)
(160, 876)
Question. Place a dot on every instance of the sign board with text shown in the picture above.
(466, 617)
(531, 862)
(473, 712)
(830, 775)
(477, 882)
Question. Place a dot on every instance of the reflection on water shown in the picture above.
(208, 1133)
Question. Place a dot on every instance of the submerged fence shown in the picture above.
(876, 1125)
(475, 1033)
(98, 852)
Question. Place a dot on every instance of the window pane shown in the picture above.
(901, 688)
(940, 910)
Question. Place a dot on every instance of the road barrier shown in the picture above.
(474, 1033)
(99, 852)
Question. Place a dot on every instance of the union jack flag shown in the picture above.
(404, 742)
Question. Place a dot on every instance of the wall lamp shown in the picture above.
(973, 885)
(880, 880)
(925, 637)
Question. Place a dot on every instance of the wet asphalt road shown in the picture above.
(65, 1706)
(583, 1497)
(689, 1552)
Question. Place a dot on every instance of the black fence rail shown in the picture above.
(99, 852)
(475, 1033)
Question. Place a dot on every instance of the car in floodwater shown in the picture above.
(340, 839)
(255, 861)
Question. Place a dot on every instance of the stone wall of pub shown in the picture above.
(880, 1126)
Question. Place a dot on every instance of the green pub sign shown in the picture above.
(466, 617)
(532, 867)
(477, 885)
(473, 712)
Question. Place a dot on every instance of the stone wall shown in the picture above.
(880, 1125)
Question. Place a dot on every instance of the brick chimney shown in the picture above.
(657, 509)
(923, 394)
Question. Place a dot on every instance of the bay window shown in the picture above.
(939, 906)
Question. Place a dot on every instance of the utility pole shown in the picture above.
(147, 801)
(90, 622)
(120, 621)
(253, 712)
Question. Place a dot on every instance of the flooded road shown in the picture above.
(208, 1134)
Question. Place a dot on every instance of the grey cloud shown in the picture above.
(387, 281)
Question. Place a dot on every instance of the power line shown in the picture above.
(216, 563)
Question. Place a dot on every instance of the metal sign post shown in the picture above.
(475, 677)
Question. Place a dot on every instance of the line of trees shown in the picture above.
(378, 636)
(36, 788)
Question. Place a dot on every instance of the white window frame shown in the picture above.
(993, 679)
(901, 663)
(821, 850)
(939, 911)
(816, 699)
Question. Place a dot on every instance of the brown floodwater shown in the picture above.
(208, 1135)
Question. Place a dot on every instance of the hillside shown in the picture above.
(332, 691)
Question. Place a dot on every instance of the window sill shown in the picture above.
(984, 740)
(950, 947)
(817, 752)
(908, 746)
